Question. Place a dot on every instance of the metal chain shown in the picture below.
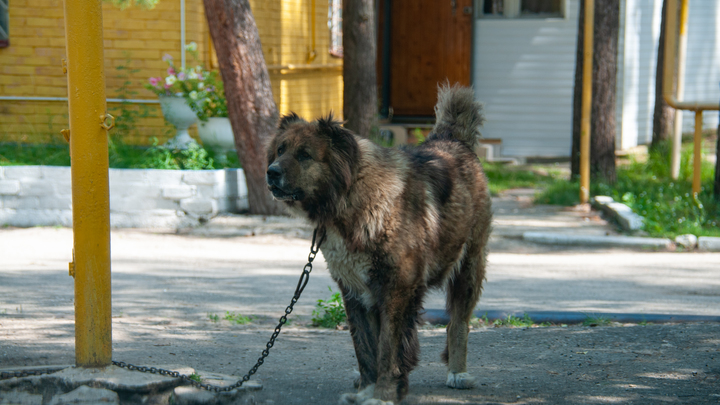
(302, 282)
(6, 375)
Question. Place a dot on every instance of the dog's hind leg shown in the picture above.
(463, 293)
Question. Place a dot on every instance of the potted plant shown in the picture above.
(171, 90)
(207, 100)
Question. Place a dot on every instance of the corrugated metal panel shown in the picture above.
(702, 68)
(637, 67)
(524, 73)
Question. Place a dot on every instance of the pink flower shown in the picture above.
(181, 76)
(167, 57)
(167, 86)
(154, 81)
(171, 71)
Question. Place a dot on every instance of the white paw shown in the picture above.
(363, 397)
(460, 381)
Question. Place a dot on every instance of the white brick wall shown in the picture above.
(139, 198)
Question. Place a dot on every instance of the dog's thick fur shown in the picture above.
(398, 222)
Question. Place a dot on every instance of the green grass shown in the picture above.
(120, 156)
(668, 206)
(592, 320)
(514, 321)
(195, 377)
(238, 319)
(502, 177)
(329, 313)
(214, 318)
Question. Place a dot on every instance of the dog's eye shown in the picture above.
(281, 150)
(303, 155)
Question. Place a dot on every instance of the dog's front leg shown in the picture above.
(398, 346)
(364, 328)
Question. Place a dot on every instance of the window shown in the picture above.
(4, 24)
(522, 8)
(335, 25)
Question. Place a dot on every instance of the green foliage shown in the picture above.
(123, 4)
(596, 321)
(668, 206)
(329, 313)
(17, 154)
(503, 177)
(214, 318)
(514, 321)
(127, 114)
(195, 377)
(237, 318)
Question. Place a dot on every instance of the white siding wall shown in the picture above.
(702, 68)
(524, 73)
(636, 70)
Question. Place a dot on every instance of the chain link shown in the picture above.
(6, 375)
(302, 282)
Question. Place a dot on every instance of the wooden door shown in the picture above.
(430, 42)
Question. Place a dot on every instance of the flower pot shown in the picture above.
(217, 134)
(181, 116)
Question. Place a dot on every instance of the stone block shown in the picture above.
(199, 206)
(688, 241)
(35, 217)
(136, 190)
(709, 243)
(23, 172)
(164, 177)
(86, 395)
(21, 398)
(9, 187)
(201, 177)
(20, 202)
(178, 192)
(63, 202)
(2, 172)
(205, 191)
(140, 203)
(56, 174)
(40, 188)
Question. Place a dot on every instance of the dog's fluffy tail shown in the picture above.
(458, 115)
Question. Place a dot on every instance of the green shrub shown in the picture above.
(329, 313)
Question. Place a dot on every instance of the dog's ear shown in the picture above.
(346, 149)
(288, 119)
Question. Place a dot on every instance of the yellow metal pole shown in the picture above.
(681, 53)
(697, 152)
(312, 54)
(90, 186)
(586, 102)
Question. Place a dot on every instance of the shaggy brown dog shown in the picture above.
(398, 222)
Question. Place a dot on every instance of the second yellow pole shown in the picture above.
(90, 185)
(586, 106)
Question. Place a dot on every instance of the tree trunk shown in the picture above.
(716, 185)
(251, 109)
(577, 96)
(602, 123)
(664, 115)
(360, 100)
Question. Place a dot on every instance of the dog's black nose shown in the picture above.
(274, 174)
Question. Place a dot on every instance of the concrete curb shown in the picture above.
(441, 317)
(625, 217)
(555, 238)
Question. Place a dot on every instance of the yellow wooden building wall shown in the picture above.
(135, 41)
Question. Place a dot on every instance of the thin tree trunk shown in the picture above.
(577, 95)
(664, 115)
(716, 185)
(251, 109)
(359, 54)
(602, 123)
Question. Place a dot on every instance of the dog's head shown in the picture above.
(311, 165)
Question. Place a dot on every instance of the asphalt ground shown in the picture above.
(168, 286)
